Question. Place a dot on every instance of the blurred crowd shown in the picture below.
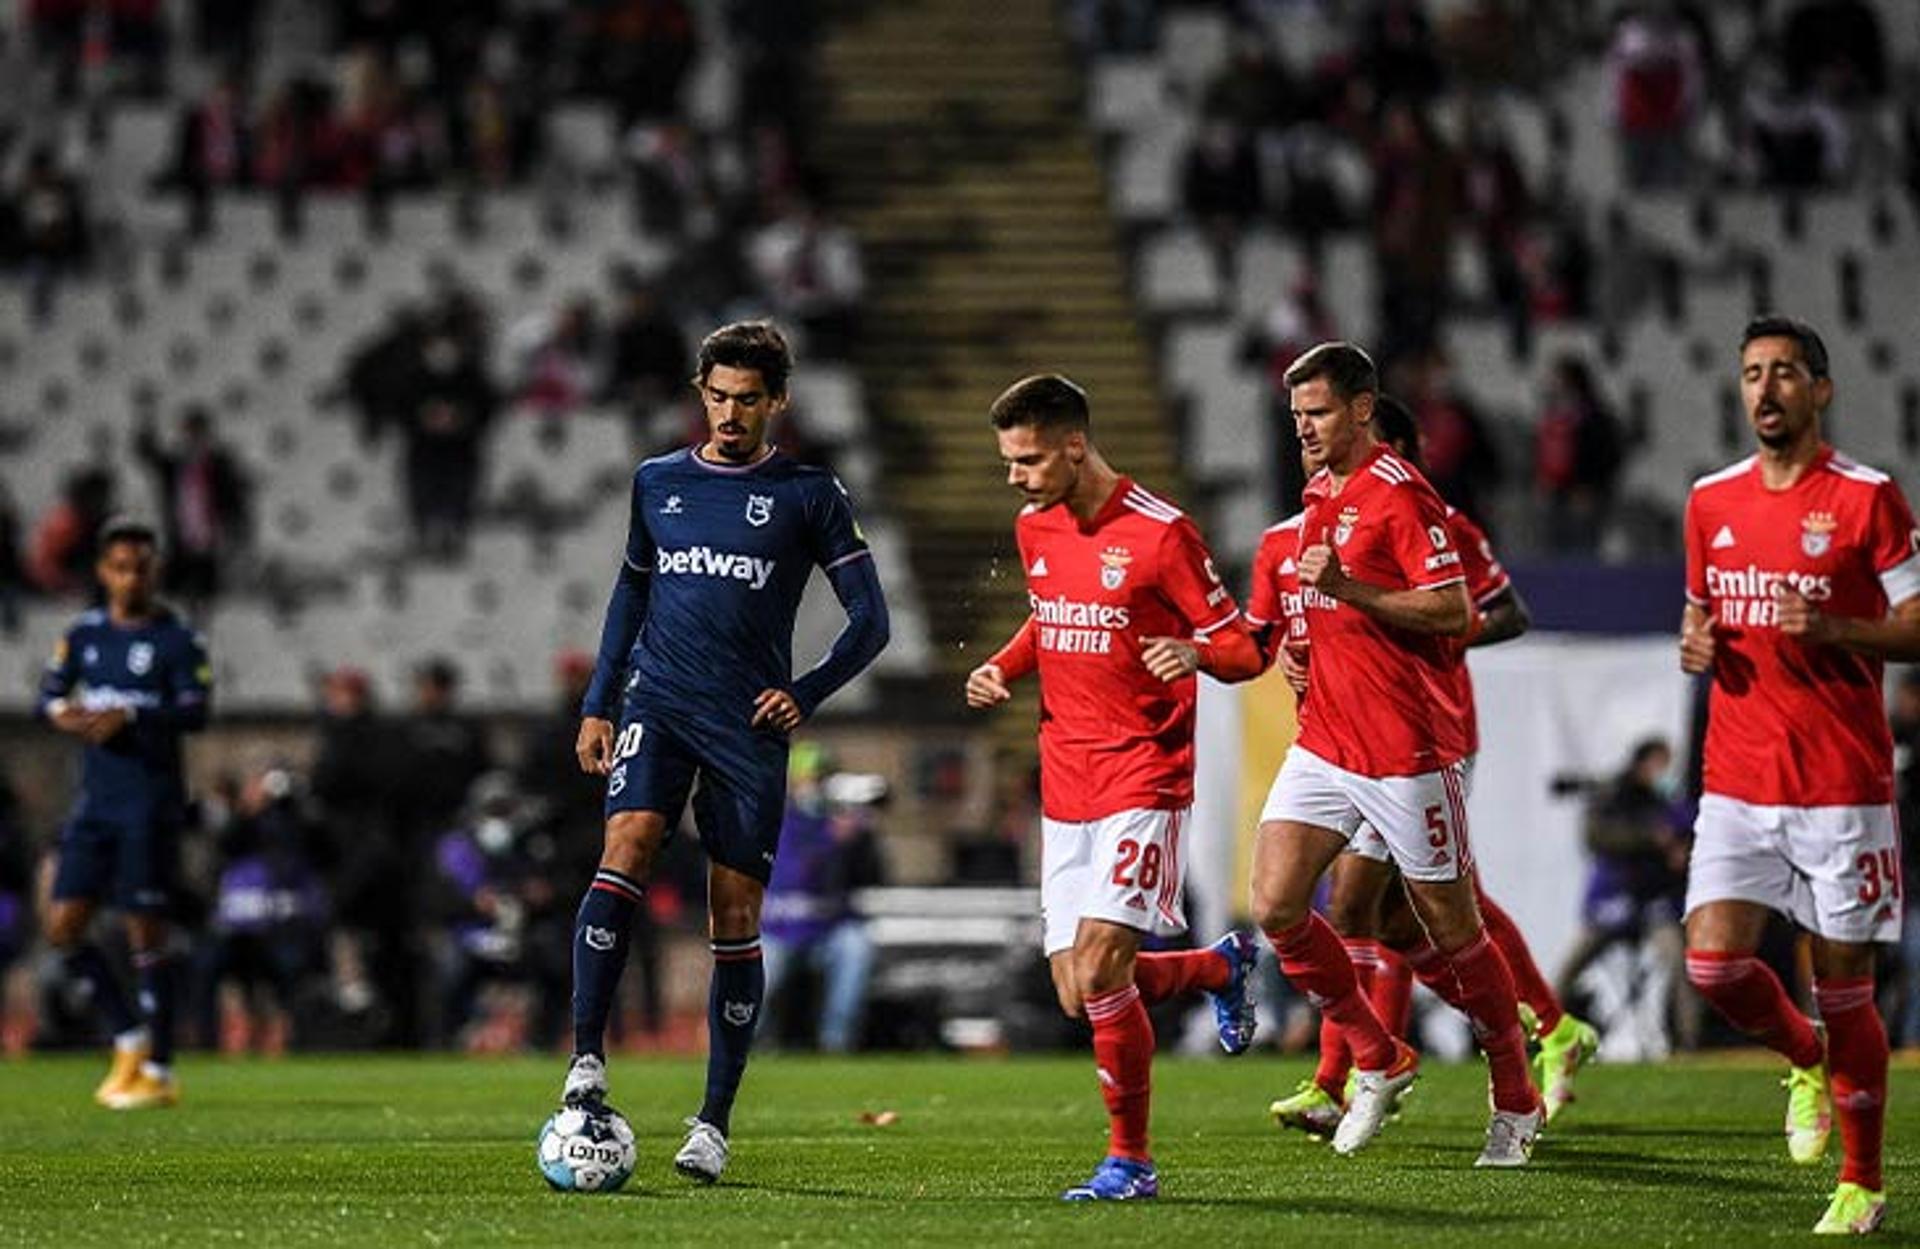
(414, 884)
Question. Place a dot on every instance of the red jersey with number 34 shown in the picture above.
(1274, 597)
(1385, 701)
(1789, 724)
(1114, 737)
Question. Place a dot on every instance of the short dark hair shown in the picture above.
(756, 345)
(1348, 370)
(1812, 350)
(118, 529)
(1045, 401)
(1395, 425)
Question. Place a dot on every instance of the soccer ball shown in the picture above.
(585, 1151)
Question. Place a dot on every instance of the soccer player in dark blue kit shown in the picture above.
(696, 664)
(129, 679)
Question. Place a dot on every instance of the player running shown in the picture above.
(1365, 905)
(696, 661)
(1126, 608)
(1803, 576)
(129, 679)
(1383, 742)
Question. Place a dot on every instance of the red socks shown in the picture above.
(1314, 960)
(1427, 962)
(1746, 991)
(1857, 1074)
(1392, 992)
(1171, 973)
(1531, 986)
(1486, 992)
(1336, 1057)
(1123, 1055)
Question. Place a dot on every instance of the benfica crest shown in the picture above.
(1349, 516)
(1113, 571)
(1816, 533)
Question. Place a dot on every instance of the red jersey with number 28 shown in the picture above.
(1114, 737)
(1386, 701)
(1790, 724)
(1274, 597)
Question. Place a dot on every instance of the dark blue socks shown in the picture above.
(600, 931)
(86, 964)
(733, 1011)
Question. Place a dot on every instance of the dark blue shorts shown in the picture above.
(131, 864)
(742, 785)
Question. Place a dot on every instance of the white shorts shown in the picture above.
(1422, 819)
(1125, 868)
(1369, 844)
(1834, 871)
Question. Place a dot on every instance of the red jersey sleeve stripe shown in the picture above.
(1218, 625)
(1902, 581)
(1455, 579)
(1494, 591)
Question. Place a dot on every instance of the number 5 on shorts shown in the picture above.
(1436, 827)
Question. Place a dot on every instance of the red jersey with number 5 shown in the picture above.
(1789, 724)
(1114, 737)
(1386, 701)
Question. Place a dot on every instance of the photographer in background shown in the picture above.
(828, 849)
(1635, 888)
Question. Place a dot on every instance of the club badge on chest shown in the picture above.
(1816, 533)
(1343, 528)
(1113, 570)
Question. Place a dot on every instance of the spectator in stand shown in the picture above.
(267, 937)
(827, 850)
(357, 773)
(60, 560)
(1657, 68)
(648, 359)
(13, 573)
(448, 413)
(1578, 450)
(1252, 92)
(639, 56)
(1312, 205)
(1497, 206)
(778, 45)
(213, 149)
(205, 504)
(1220, 186)
(810, 270)
(1836, 47)
(1415, 195)
(556, 360)
(497, 903)
(443, 752)
(55, 238)
(227, 31)
(1396, 52)
(1297, 320)
(1792, 139)
(1637, 882)
(1462, 462)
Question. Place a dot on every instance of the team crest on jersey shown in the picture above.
(1816, 533)
(759, 509)
(1349, 517)
(140, 658)
(671, 507)
(1113, 571)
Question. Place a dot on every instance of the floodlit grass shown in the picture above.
(359, 1151)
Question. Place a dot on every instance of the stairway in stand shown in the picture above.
(953, 139)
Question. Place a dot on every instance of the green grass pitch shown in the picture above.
(354, 1152)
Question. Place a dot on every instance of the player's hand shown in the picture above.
(1798, 617)
(776, 710)
(1170, 659)
(68, 718)
(594, 746)
(1320, 568)
(103, 726)
(987, 686)
(1293, 666)
(1696, 646)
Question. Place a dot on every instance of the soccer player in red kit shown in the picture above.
(1127, 608)
(1384, 741)
(1803, 577)
(1365, 904)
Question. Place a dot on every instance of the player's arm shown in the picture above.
(987, 684)
(1221, 645)
(856, 583)
(1696, 618)
(1266, 612)
(188, 702)
(626, 609)
(1501, 618)
(1442, 609)
(62, 673)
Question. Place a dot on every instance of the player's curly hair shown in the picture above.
(1046, 401)
(1348, 370)
(756, 345)
(119, 529)
(1812, 350)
